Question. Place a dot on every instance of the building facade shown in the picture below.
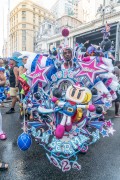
(65, 7)
(87, 28)
(25, 20)
(5, 49)
(50, 28)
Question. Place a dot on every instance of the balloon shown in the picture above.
(24, 141)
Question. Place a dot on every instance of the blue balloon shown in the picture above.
(24, 141)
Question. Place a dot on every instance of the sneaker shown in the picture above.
(117, 115)
(10, 111)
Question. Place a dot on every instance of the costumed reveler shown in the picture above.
(2, 97)
(68, 107)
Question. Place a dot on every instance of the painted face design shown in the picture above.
(80, 95)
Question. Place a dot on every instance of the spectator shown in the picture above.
(14, 73)
(1, 63)
(22, 69)
(2, 97)
(117, 101)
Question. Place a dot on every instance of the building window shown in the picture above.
(23, 38)
(23, 18)
(34, 9)
(23, 6)
(49, 26)
(33, 27)
(23, 25)
(34, 21)
(24, 13)
(23, 32)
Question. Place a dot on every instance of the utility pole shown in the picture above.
(103, 15)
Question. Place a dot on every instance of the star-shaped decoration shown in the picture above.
(90, 70)
(49, 132)
(104, 132)
(38, 75)
(108, 123)
(111, 130)
(108, 104)
(104, 95)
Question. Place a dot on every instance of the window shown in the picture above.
(49, 26)
(23, 32)
(23, 12)
(34, 21)
(34, 9)
(33, 27)
(24, 39)
(23, 18)
(23, 6)
(23, 25)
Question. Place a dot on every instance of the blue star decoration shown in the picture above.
(107, 104)
(104, 133)
(96, 136)
(49, 132)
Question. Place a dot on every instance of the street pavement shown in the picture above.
(102, 161)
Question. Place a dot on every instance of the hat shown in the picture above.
(14, 58)
(2, 69)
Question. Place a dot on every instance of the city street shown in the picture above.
(101, 162)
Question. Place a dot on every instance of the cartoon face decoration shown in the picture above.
(80, 95)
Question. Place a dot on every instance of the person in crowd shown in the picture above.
(14, 73)
(2, 97)
(68, 59)
(3, 73)
(1, 63)
(117, 101)
(22, 68)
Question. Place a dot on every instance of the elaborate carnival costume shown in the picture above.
(68, 107)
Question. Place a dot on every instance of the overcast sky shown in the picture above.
(4, 12)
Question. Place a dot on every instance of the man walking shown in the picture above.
(14, 73)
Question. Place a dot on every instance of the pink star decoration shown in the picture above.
(38, 75)
(90, 70)
(108, 123)
(104, 95)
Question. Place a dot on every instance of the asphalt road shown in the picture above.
(102, 161)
